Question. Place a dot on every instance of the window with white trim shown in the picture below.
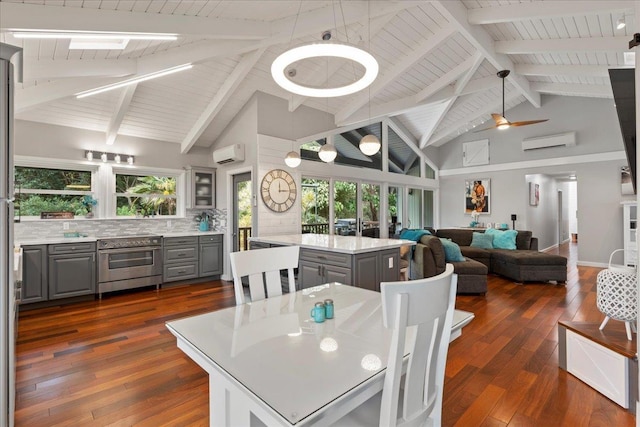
(146, 195)
(41, 190)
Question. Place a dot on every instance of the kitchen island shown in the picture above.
(358, 261)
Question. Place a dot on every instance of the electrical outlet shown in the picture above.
(65, 225)
(390, 262)
(169, 224)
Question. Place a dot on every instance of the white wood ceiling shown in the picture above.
(438, 60)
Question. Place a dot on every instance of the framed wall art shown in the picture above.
(534, 194)
(477, 196)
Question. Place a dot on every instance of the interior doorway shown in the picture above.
(242, 213)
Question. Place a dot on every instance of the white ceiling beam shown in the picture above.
(219, 100)
(456, 13)
(41, 17)
(444, 134)
(457, 91)
(446, 79)
(592, 44)
(120, 110)
(35, 69)
(34, 96)
(550, 9)
(481, 84)
(569, 89)
(563, 70)
(319, 76)
(396, 71)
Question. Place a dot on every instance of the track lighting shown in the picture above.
(109, 157)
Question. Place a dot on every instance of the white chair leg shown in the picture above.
(604, 322)
(627, 326)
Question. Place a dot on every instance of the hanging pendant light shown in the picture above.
(293, 159)
(328, 153)
(370, 145)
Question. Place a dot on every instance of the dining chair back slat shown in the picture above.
(263, 267)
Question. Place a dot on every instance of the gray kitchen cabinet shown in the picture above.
(203, 188)
(34, 274)
(180, 258)
(72, 270)
(364, 270)
(211, 255)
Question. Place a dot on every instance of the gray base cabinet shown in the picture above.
(35, 286)
(180, 258)
(211, 255)
(192, 257)
(365, 270)
(72, 270)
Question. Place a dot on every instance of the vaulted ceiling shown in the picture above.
(438, 60)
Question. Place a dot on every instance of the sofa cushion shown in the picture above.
(469, 266)
(503, 239)
(523, 240)
(459, 235)
(435, 246)
(527, 257)
(482, 240)
(451, 251)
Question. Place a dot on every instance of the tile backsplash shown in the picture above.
(118, 227)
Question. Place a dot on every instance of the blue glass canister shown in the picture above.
(328, 308)
(317, 312)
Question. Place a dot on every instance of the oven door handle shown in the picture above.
(124, 250)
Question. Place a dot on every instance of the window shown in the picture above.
(315, 206)
(52, 190)
(145, 195)
(402, 159)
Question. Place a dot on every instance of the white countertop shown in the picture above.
(344, 244)
(61, 239)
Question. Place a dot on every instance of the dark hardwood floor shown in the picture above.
(113, 362)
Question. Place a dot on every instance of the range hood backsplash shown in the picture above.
(113, 228)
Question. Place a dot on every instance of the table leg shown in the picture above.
(218, 401)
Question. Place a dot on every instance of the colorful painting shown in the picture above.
(477, 196)
(534, 194)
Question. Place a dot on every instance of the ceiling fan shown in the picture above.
(501, 121)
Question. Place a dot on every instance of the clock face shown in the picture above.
(278, 190)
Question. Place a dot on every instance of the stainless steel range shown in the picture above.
(129, 262)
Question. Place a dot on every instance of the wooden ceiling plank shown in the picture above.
(221, 97)
(550, 9)
(391, 75)
(120, 110)
(52, 69)
(592, 44)
(569, 89)
(565, 70)
(32, 16)
(456, 13)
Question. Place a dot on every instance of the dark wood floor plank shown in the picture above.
(113, 362)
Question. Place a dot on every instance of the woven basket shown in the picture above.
(616, 292)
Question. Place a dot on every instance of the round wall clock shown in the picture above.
(278, 190)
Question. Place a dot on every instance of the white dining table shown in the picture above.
(269, 360)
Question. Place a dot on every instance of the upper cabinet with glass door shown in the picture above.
(203, 188)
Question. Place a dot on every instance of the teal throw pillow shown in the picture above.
(451, 251)
(503, 239)
(482, 240)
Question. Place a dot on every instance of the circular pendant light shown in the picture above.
(369, 145)
(293, 159)
(328, 153)
(316, 50)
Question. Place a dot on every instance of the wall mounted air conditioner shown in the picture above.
(567, 139)
(229, 154)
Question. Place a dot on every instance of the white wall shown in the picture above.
(543, 218)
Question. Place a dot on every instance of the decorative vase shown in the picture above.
(204, 225)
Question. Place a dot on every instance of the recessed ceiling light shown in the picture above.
(620, 23)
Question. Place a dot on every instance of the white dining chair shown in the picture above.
(262, 267)
(420, 313)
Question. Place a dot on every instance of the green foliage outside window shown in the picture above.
(145, 195)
